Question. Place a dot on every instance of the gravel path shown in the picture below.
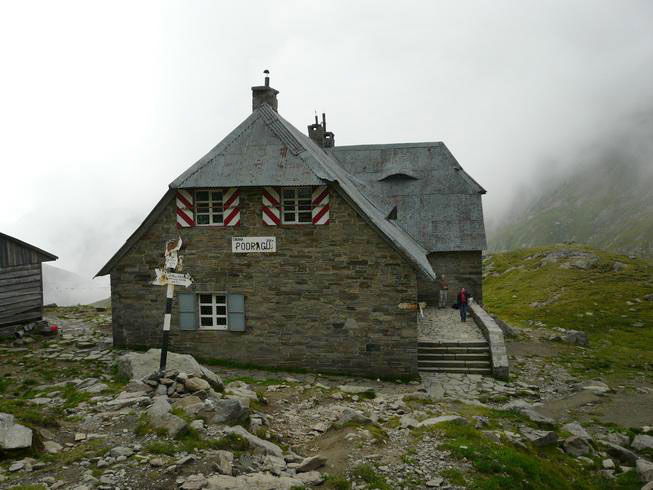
(445, 324)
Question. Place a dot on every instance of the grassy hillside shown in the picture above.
(582, 288)
(607, 205)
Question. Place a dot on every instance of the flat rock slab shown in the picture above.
(454, 419)
(254, 481)
(267, 446)
(13, 435)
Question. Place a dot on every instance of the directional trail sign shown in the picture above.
(163, 278)
(167, 277)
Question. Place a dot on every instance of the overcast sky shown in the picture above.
(103, 104)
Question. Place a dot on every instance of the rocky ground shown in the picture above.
(79, 414)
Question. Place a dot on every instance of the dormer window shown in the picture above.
(209, 207)
(296, 205)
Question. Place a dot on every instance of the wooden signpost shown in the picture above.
(168, 277)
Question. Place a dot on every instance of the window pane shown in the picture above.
(216, 196)
(304, 193)
(202, 196)
(220, 299)
(205, 298)
(220, 321)
(305, 206)
(217, 218)
(220, 310)
(289, 217)
(288, 193)
(202, 210)
(206, 310)
(304, 217)
(206, 321)
(202, 219)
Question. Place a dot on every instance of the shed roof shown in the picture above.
(437, 202)
(11, 248)
(265, 149)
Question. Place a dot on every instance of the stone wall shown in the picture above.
(464, 269)
(326, 300)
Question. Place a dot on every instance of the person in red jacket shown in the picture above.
(463, 297)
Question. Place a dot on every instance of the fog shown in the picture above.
(103, 104)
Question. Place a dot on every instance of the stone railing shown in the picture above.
(494, 337)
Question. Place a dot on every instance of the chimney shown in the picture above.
(264, 94)
(318, 133)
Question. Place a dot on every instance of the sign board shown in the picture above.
(256, 244)
(164, 278)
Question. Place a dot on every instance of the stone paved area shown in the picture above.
(443, 386)
(445, 325)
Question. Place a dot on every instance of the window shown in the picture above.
(213, 311)
(296, 206)
(209, 208)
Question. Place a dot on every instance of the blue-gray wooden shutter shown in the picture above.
(187, 311)
(236, 312)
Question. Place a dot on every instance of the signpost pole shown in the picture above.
(170, 291)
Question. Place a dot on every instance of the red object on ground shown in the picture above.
(53, 328)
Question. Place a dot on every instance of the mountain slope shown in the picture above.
(66, 288)
(608, 296)
(608, 205)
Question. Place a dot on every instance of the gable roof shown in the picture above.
(8, 255)
(438, 203)
(265, 149)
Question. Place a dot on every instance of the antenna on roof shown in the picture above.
(316, 117)
(267, 77)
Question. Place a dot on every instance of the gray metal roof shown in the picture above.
(265, 149)
(438, 203)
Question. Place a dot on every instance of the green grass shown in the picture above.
(454, 476)
(73, 397)
(337, 482)
(90, 449)
(368, 474)
(191, 440)
(256, 381)
(615, 344)
(499, 466)
(28, 414)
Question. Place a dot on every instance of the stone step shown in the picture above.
(425, 344)
(456, 370)
(453, 350)
(453, 364)
(449, 356)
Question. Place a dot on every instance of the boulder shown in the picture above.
(618, 438)
(350, 416)
(577, 446)
(194, 482)
(237, 390)
(312, 478)
(575, 337)
(13, 435)
(138, 365)
(575, 429)
(159, 408)
(644, 470)
(52, 447)
(121, 451)
(267, 446)
(311, 463)
(192, 405)
(253, 481)
(225, 411)
(597, 387)
(357, 390)
(224, 461)
(539, 438)
(621, 453)
(454, 419)
(196, 384)
(641, 442)
(170, 423)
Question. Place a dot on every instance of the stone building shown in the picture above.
(303, 254)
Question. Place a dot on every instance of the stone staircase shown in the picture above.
(464, 357)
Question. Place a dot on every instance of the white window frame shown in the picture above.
(211, 205)
(214, 315)
(295, 201)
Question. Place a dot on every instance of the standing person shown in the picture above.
(463, 297)
(444, 291)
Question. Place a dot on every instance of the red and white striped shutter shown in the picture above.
(185, 211)
(231, 200)
(320, 200)
(271, 206)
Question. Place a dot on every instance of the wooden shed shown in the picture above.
(21, 281)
